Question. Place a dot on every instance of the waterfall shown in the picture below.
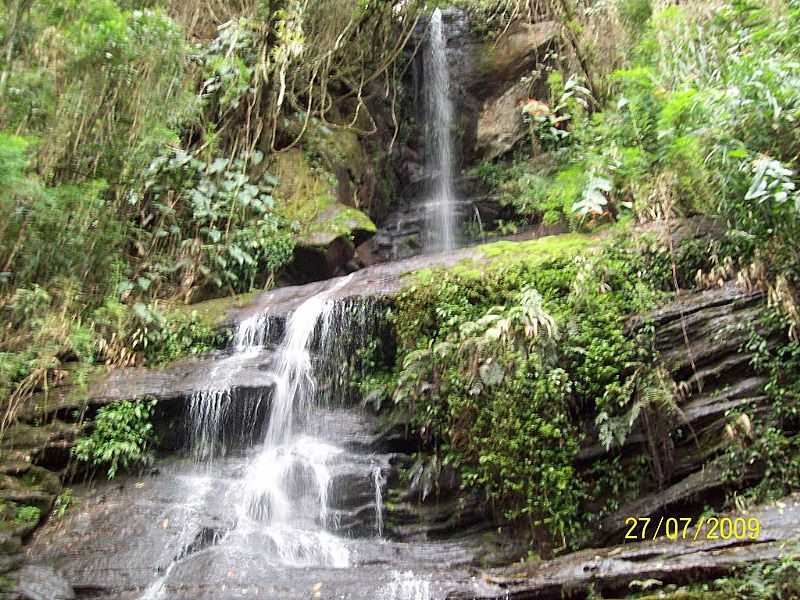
(439, 152)
(285, 496)
(212, 408)
(407, 586)
(252, 334)
(379, 480)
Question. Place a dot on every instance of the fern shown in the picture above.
(648, 389)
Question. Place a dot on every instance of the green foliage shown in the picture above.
(702, 119)
(635, 14)
(27, 516)
(593, 200)
(493, 370)
(64, 501)
(773, 580)
(132, 162)
(121, 437)
(222, 221)
(148, 334)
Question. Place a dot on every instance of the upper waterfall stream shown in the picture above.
(442, 225)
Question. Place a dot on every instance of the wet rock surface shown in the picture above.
(42, 583)
(180, 527)
(611, 570)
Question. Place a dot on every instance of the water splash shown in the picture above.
(442, 233)
(252, 334)
(405, 585)
(286, 486)
(379, 480)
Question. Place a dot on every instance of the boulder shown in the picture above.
(498, 86)
(513, 55)
(42, 583)
(500, 124)
(328, 230)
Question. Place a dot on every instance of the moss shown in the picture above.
(499, 255)
(213, 313)
(306, 195)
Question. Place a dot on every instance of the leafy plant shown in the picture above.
(28, 516)
(64, 501)
(594, 199)
(120, 438)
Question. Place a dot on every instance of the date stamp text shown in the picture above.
(695, 530)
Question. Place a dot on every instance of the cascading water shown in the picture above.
(442, 234)
(210, 408)
(283, 497)
(286, 487)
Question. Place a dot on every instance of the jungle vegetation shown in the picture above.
(136, 145)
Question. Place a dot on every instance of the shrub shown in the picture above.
(120, 438)
(28, 516)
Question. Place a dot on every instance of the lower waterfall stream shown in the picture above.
(286, 508)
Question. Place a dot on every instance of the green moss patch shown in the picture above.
(306, 194)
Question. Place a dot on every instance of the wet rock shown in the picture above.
(205, 538)
(174, 383)
(42, 583)
(611, 570)
(385, 280)
(46, 444)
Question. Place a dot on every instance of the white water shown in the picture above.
(405, 585)
(285, 495)
(252, 334)
(209, 407)
(207, 410)
(439, 155)
(379, 480)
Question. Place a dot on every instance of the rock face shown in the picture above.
(42, 583)
(700, 337)
(402, 234)
(500, 91)
(611, 570)
(500, 124)
(486, 92)
(180, 521)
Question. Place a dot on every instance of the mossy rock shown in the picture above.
(306, 194)
(23, 442)
(24, 501)
(503, 254)
(328, 230)
(213, 313)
